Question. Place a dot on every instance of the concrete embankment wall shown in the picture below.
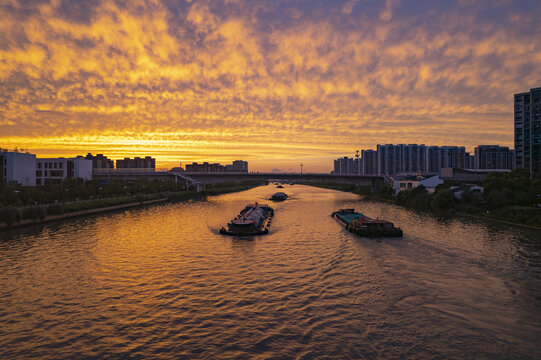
(80, 213)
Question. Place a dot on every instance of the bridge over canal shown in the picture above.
(199, 180)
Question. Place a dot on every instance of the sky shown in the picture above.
(275, 83)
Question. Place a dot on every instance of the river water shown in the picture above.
(161, 282)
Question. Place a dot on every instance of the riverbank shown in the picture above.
(498, 215)
(11, 217)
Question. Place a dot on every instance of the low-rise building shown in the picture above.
(55, 170)
(460, 191)
(467, 175)
(18, 168)
(409, 182)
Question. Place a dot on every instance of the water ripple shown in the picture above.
(161, 282)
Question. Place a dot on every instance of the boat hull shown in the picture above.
(246, 226)
(368, 227)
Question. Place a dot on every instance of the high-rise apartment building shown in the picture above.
(347, 165)
(394, 159)
(528, 131)
(493, 157)
(369, 162)
(438, 157)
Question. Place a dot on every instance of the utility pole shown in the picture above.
(301, 167)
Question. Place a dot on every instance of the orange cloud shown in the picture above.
(259, 81)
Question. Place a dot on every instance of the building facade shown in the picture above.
(369, 162)
(395, 159)
(410, 182)
(56, 170)
(493, 157)
(347, 166)
(527, 113)
(438, 157)
(18, 168)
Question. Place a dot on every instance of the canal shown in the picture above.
(161, 282)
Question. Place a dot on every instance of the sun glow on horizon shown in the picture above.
(269, 83)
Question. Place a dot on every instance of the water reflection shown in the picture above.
(162, 282)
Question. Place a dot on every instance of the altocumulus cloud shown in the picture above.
(273, 81)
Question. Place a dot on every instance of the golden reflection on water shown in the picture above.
(161, 281)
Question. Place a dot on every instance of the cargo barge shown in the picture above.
(362, 225)
(279, 196)
(253, 220)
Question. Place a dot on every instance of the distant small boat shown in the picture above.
(253, 220)
(279, 187)
(362, 225)
(279, 196)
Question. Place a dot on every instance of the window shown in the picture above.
(39, 165)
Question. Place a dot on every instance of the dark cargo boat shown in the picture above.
(253, 220)
(279, 196)
(362, 225)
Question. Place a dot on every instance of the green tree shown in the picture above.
(443, 200)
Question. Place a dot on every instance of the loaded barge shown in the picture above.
(362, 225)
(279, 196)
(253, 220)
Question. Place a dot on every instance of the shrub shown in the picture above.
(55, 209)
(33, 213)
(9, 216)
(443, 200)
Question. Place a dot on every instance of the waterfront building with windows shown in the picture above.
(55, 170)
(18, 168)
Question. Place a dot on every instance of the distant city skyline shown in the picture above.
(276, 84)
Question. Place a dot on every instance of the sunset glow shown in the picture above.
(274, 83)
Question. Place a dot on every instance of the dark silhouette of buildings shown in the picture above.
(100, 162)
(237, 166)
(146, 163)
